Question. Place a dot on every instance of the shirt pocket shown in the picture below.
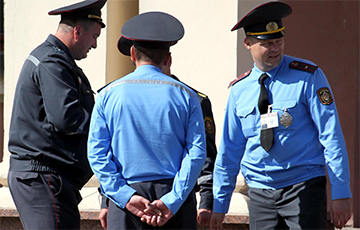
(286, 105)
(249, 121)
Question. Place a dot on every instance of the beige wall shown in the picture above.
(209, 56)
(206, 58)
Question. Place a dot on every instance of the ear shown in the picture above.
(132, 54)
(76, 32)
(168, 60)
(247, 43)
(167, 64)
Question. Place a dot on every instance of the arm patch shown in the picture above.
(303, 66)
(209, 125)
(324, 95)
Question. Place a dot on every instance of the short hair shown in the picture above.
(67, 24)
(154, 55)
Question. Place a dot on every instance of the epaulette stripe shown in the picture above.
(147, 81)
(239, 78)
(201, 95)
(34, 60)
(303, 66)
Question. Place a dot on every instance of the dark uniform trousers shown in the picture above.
(45, 200)
(185, 218)
(299, 206)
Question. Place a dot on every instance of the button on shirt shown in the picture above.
(300, 151)
(147, 126)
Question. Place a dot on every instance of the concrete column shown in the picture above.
(117, 64)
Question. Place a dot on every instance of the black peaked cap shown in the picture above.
(265, 20)
(88, 9)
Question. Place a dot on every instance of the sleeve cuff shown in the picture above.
(206, 201)
(221, 206)
(340, 192)
(172, 202)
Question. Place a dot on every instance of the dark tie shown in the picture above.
(267, 135)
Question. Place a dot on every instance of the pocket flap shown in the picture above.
(281, 105)
(244, 112)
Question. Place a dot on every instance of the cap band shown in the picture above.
(266, 32)
(94, 17)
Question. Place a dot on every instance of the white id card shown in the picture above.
(269, 121)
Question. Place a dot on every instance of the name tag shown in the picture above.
(269, 121)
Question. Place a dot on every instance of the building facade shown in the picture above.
(207, 58)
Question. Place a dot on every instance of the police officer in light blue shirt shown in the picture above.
(147, 137)
(281, 129)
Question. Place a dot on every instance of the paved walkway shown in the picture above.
(91, 201)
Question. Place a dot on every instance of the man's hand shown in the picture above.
(102, 217)
(203, 217)
(217, 220)
(160, 220)
(340, 212)
(142, 208)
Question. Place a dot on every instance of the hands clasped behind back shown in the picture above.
(155, 213)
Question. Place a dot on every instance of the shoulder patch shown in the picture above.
(242, 76)
(324, 95)
(209, 125)
(303, 66)
(58, 50)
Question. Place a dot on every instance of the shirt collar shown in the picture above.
(272, 73)
(146, 68)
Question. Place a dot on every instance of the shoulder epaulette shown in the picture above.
(242, 76)
(201, 94)
(105, 86)
(197, 92)
(303, 66)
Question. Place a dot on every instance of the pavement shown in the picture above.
(91, 202)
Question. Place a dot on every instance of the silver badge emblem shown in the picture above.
(286, 119)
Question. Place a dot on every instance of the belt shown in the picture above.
(30, 165)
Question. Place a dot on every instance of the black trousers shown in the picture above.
(185, 218)
(45, 200)
(300, 206)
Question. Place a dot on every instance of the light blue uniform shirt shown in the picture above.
(300, 151)
(144, 127)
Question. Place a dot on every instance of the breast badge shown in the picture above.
(286, 119)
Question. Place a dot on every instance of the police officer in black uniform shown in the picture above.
(50, 121)
(205, 180)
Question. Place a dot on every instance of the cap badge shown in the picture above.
(272, 26)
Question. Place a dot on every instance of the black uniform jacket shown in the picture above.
(51, 113)
(205, 180)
